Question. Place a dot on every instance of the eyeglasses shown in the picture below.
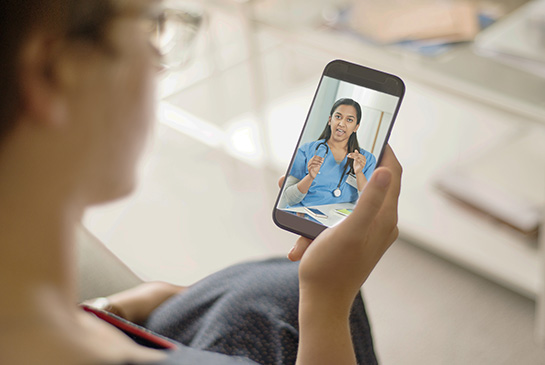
(173, 32)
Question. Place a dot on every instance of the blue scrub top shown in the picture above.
(321, 189)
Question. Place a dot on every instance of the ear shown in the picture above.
(41, 89)
(356, 129)
(329, 120)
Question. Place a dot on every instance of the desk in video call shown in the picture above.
(333, 217)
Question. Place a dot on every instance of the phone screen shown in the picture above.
(339, 149)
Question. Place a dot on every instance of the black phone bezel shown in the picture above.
(358, 75)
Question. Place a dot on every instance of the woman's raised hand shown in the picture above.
(359, 160)
(314, 165)
(336, 264)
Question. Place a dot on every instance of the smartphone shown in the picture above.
(315, 212)
(341, 144)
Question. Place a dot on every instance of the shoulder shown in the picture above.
(311, 146)
(368, 155)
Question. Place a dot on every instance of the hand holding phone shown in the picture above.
(375, 213)
(341, 145)
(336, 264)
(363, 104)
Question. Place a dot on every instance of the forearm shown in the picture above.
(291, 194)
(361, 180)
(136, 304)
(324, 332)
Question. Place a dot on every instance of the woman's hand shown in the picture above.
(335, 265)
(136, 304)
(340, 259)
(359, 160)
(314, 165)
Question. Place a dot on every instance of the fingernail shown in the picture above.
(289, 253)
(383, 178)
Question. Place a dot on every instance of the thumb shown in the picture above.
(281, 180)
(370, 201)
(301, 245)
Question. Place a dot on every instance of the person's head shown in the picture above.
(343, 123)
(77, 79)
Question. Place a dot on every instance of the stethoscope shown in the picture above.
(337, 192)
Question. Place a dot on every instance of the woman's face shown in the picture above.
(343, 123)
(110, 110)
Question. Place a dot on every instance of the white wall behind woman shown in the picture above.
(319, 114)
(373, 105)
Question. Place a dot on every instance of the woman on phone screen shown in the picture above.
(333, 169)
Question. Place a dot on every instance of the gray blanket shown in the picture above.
(248, 310)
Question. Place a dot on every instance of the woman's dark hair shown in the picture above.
(81, 20)
(353, 139)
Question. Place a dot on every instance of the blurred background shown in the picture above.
(464, 284)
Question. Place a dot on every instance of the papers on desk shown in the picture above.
(518, 39)
(333, 216)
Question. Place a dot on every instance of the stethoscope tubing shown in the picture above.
(338, 188)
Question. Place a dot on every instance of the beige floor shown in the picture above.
(209, 183)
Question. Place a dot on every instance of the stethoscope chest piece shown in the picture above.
(337, 191)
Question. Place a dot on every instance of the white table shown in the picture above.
(333, 217)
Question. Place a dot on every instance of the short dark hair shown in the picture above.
(69, 19)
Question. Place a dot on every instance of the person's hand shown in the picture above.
(359, 160)
(335, 265)
(137, 303)
(281, 181)
(314, 165)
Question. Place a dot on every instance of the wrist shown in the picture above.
(324, 333)
(327, 304)
(105, 304)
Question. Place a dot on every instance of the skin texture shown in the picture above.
(84, 118)
(359, 160)
(136, 304)
(336, 264)
(343, 123)
(359, 163)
